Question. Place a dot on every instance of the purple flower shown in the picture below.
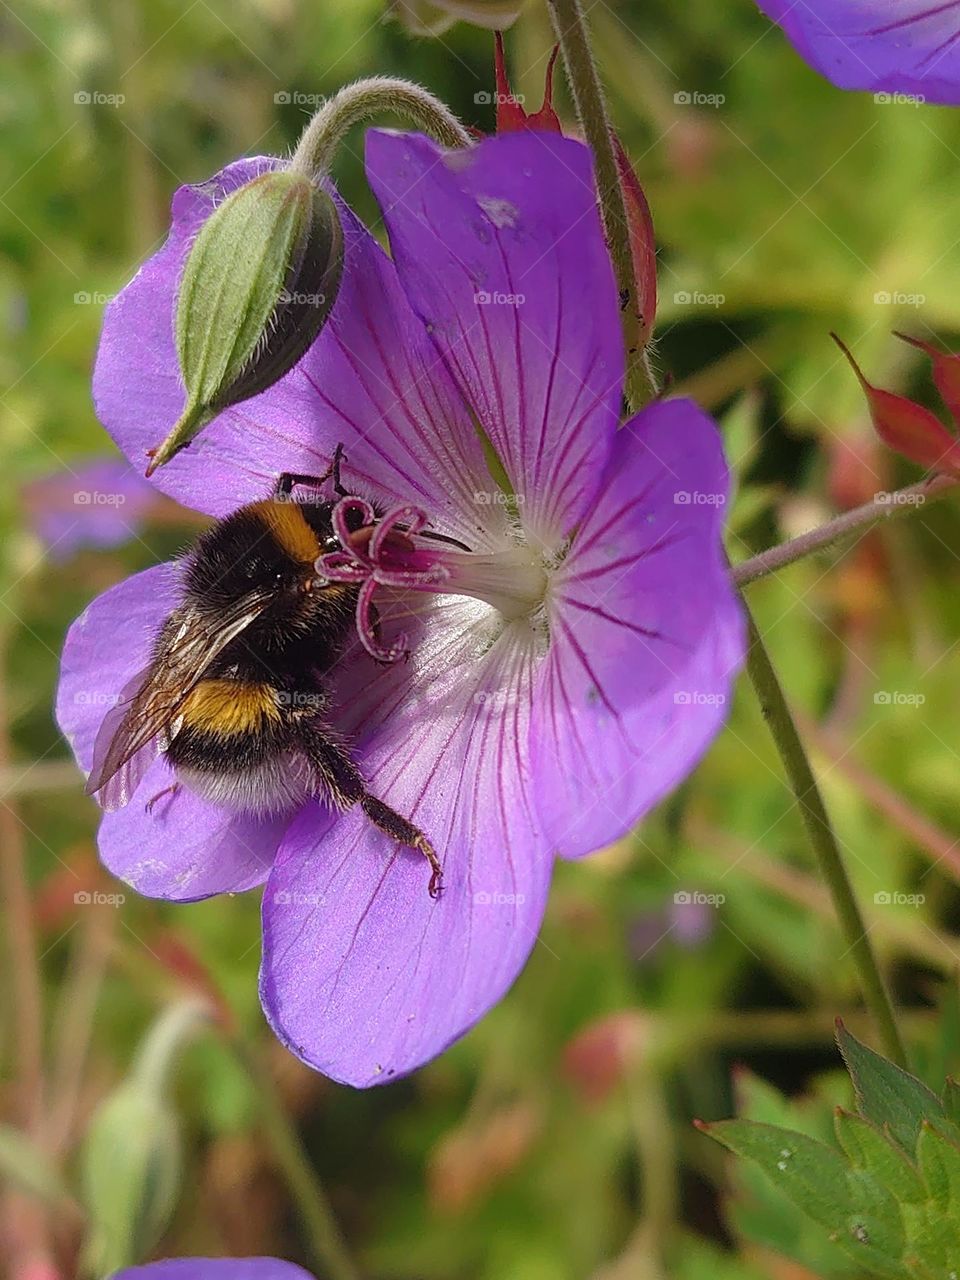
(216, 1269)
(562, 675)
(102, 503)
(889, 46)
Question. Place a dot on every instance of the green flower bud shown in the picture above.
(257, 288)
(130, 1175)
(131, 1160)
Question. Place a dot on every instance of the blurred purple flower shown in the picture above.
(216, 1269)
(576, 675)
(885, 46)
(688, 924)
(99, 504)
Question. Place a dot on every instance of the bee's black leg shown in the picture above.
(335, 472)
(404, 832)
(167, 791)
(289, 479)
(341, 778)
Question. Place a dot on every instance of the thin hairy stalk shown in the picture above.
(884, 506)
(569, 24)
(823, 840)
(376, 96)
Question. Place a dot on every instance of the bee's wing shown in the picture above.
(143, 722)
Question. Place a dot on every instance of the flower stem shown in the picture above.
(586, 90)
(329, 1251)
(882, 507)
(377, 95)
(796, 764)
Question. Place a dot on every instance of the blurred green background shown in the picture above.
(555, 1141)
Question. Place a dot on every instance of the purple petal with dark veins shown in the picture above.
(646, 634)
(364, 976)
(501, 252)
(889, 46)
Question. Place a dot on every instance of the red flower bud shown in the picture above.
(643, 245)
(510, 114)
(906, 427)
(946, 372)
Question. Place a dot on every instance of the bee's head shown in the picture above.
(261, 557)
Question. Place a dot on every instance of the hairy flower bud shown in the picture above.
(257, 288)
(907, 427)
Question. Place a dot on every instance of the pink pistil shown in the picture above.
(380, 554)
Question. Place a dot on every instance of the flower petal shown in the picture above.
(501, 252)
(97, 664)
(646, 635)
(364, 976)
(911, 46)
(185, 848)
(216, 1269)
(372, 382)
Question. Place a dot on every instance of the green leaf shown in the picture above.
(858, 1214)
(28, 1168)
(873, 1153)
(812, 1174)
(940, 1167)
(886, 1094)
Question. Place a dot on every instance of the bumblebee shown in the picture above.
(233, 695)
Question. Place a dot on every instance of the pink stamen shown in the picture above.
(379, 554)
(386, 553)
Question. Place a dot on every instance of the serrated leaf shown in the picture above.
(812, 1174)
(873, 1153)
(23, 1164)
(886, 1094)
(856, 1212)
(939, 1160)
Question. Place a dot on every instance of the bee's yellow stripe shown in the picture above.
(285, 521)
(229, 706)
